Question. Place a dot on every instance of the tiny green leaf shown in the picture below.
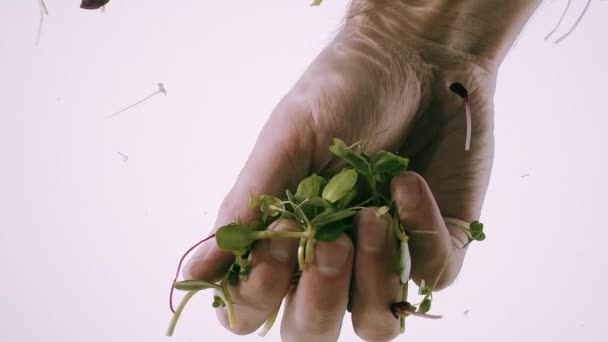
(388, 163)
(234, 237)
(330, 217)
(425, 306)
(331, 232)
(271, 206)
(476, 229)
(344, 202)
(218, 302)
(340, 149)
(316, 2)
(194, 285)
(423, 290)
(310, 187)
(339, 185)
(318, 202)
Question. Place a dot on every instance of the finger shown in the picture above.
(435, 257)
(315, 309)
(376, 277)
(272, 265)
(280, 158)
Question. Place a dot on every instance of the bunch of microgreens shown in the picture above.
(324, 207)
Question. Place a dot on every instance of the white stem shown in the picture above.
(467, 107)
(406, 262)
(559, 23)
(578, 20)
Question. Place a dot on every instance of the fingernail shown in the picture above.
(371, 231)
(279, 249)
(409, 191)
(330, 257)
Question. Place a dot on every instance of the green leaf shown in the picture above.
(316, 2)
(218, 302)
(318, 202)
(329, 216)
(476, 229)
(257, 225)
(423, 290)
(339, 185)
(340, 149)
(271, 206)
(425, 306)
(310, 187)
(387, 163)
(345, 201)
(234, 237)
(194, 285)
(331, 232)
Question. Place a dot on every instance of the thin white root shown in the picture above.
(161, 89)
(467, 106)
(578, 20)
(559, 23)
(43, 11)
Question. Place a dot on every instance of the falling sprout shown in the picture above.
(578, 20)
(161, 89)
(124, 156)
(559, 23)
(461, 91)
(43, 11)
(93, 4)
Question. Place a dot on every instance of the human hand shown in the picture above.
(391, 94)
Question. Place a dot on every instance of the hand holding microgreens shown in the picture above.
(324, 208)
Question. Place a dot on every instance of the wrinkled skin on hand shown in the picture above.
(379, 83)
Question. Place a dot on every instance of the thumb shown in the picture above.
(436, 256)
(280, 157)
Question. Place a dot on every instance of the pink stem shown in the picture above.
(179, 266)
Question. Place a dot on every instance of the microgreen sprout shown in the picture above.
(93, 4)
(43, 12)
(576, 23)
(161, 90)
(461, 91)
(124, 156)
(323, 207)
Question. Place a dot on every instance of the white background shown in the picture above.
(89, 243)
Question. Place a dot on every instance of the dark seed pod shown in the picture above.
(400, 309)
(459, 89)
(93, 4)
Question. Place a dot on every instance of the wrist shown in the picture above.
(482, 30)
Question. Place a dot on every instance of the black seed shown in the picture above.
(93, 4)
(459, 89)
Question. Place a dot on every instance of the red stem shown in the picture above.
(179, 266)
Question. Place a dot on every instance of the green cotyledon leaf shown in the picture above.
(387, 163)
(339, 185)
(234, 237)
(355, 159)
(311, 186)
